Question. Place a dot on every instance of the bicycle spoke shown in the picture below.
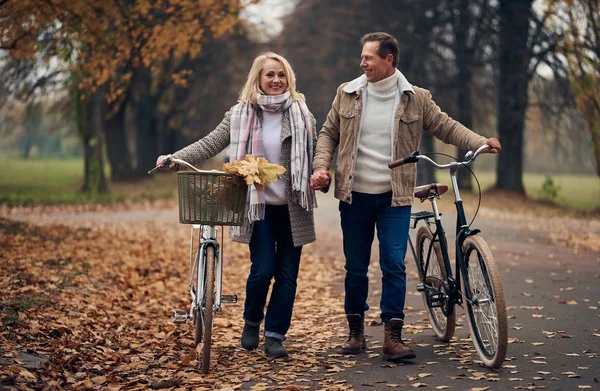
(484, 309)
(433, 270)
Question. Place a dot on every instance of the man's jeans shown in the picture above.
(359, 220)
(273, 254)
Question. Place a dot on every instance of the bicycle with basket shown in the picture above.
(207, 200)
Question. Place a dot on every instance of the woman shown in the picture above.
(271, 120)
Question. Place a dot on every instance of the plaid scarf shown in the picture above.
(246, 137)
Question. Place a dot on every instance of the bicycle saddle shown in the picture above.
(425, 190)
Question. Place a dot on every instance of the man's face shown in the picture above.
(375, 67)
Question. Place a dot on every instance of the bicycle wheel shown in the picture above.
(207, 303)
(486, 310)
(435, 275)
(197, 308)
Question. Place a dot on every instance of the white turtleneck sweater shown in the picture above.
(371, 174)
(271, 135)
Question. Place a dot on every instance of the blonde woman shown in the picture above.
(271, 119)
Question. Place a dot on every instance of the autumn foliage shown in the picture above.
(256, 171)
(104, 39)
(579, 23)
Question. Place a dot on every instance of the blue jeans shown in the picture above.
(273, 255)
(359, 220)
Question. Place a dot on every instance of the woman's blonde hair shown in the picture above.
(252, 89)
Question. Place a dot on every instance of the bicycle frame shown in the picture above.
(452, 285)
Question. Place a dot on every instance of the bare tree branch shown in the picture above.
(593, 12)
(13, 44)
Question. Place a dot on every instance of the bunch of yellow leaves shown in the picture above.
(255, 171)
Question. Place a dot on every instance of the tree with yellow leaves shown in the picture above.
(109, 45)
(579, 22)
(104, 40)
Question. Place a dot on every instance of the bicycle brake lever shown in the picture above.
(165, 163)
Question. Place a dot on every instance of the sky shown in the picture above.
(268, 14)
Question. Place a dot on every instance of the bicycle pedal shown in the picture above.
(229, 298)
(180, 316)
(436, 300)
(421, 287)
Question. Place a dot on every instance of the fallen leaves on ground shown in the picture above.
(98, 303)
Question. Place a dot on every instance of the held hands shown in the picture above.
(320, 179)
(494, 144)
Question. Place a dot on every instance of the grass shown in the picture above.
(574, 191)
(54, 181)
(10, 311)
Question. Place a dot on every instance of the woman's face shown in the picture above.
(273, 80)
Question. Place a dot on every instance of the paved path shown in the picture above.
(553, 345)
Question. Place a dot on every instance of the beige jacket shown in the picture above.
(416, 111)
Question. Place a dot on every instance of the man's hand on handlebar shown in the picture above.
(320, 179)
(494, 144)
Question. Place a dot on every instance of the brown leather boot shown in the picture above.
(393, 347)
(356, 342)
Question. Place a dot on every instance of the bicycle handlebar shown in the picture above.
(167, 162)
(414, 157)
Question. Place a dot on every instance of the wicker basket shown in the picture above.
(211, 198)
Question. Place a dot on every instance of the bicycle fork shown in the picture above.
(207, 236)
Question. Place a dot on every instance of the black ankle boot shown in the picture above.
(250, 337)
(274, 348)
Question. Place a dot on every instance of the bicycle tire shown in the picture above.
(443, 326)
(198, 307)
(207, 307)
(488, 323)
(197, 328)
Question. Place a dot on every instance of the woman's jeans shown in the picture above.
(359, 220)
(273, 254)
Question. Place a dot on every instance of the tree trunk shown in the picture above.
(27, 145)
(425, 171)
(465, 106)
(593, 124)
(87, 120)
(113, 125)
(514, 59)
(465, 115)
(145, 106)
(32, 124)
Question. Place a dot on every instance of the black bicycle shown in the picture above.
(481, 286)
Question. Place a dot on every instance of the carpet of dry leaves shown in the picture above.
(94, 304)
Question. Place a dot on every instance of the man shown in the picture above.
(375, 119)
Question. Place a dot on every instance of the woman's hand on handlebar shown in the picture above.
(494, 144)
(171, 166)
